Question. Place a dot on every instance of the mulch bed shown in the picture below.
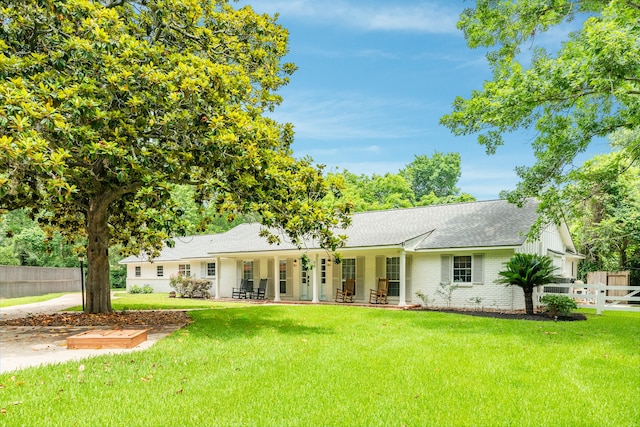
(119, 320)
(116, 320)
(509, 315)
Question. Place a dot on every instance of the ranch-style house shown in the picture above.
(416, 249)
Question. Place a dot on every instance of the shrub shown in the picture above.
(147, 289)
(135, 289)
(445, 291)
(476, 301)
(558, 304)
(426, 299)
(190, 287)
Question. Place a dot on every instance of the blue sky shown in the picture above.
(374, 77)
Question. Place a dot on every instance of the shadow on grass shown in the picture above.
(232, 323)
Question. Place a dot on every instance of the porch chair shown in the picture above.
(244, 291)
(346, 293)
(379, 295)
(262, 289)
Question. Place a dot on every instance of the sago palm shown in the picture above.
(528, 271)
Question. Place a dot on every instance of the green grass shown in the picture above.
(310, 365)
(158, 301)
(9, 302)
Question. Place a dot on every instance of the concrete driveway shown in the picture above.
(26, 346)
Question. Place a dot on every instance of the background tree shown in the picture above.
(437, 175)
(24, 242)
(527, 271)
(106, 105)
(425, 181)
(589, 88)
(603, 200)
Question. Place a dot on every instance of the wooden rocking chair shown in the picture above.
(379, 295)
(348, 290)
(262, 289)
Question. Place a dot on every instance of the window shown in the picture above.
(247, 272)
(211, 269)
(138, 271)
(159, 271)
(348, 270)
(462, 269)
(282, 275)
(323, 271)
(184, 270)
(393, 274)
(323, 277)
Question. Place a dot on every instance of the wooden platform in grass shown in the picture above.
(113, 338)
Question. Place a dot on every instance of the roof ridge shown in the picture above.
(431, 206)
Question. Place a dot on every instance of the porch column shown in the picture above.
(276, 279)
(218, 269)
(314, 280)
(403, 279)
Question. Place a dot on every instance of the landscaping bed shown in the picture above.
(114, 320)
(501, 314)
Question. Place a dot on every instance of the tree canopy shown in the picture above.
(106, 105)
(437, 175)
(586, 89)
(603, 207)
(424, 181)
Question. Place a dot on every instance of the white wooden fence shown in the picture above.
(599, 296)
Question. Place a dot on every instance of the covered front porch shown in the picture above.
(289, 280)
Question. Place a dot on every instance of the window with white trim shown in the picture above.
(348, 270)
(323, 271)
(282, 276)
(393, 274)
(159, 271)
(184, 270)
(211, 269)
(462, 269)
(138, 271)
(247, 273)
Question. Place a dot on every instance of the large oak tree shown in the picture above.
(105, 105)
(588, 88)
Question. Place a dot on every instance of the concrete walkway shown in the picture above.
(26, 346)
(45, 307)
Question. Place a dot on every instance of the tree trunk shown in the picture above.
(98, 299)
(528, 301)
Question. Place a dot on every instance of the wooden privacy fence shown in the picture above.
(18, 281)
(599, 296)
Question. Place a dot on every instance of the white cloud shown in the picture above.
(348, 115)
(423, 17)
(376, 54)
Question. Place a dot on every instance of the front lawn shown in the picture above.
(123, 301)
(308, 365)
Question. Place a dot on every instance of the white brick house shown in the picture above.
(417, 249)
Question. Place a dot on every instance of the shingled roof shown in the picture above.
(495, 223)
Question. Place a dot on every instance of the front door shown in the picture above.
(305, 286)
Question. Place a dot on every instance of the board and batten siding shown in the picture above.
(550, 239)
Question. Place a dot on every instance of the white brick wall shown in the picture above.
(426, 278)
